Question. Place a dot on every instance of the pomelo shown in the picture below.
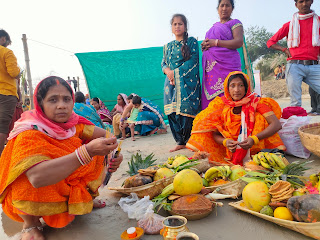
(179, 160)
(187, 182)
(162, 173)
(256, 195)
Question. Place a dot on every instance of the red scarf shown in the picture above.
(249, 104)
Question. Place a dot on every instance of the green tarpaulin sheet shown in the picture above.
(129, 71)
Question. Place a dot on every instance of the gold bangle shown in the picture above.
(224, 143)
(255, 139)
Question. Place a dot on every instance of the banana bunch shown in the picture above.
(217, 172)
(170, 160)
(270, 160)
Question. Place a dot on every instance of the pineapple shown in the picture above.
(137, 163)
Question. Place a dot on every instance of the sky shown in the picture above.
(57, 29)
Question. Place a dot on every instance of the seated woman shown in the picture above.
(148, 119)
(238, 124)
(87, 111)
(117, 111)
(46, 170)
(102, 110)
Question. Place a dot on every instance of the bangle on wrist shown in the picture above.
(224, 143)
(255, 139)
(83, 155)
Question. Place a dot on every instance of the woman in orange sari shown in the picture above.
(46, 170)
(237, 125)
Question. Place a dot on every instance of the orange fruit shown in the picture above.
(283, 213)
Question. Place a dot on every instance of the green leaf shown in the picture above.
(249, 180)
(256, 174)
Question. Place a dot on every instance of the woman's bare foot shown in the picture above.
(133, 138)
(32, 233)
(98, 203)
(122, 138)
(178, 147)
(153, 132)
(162, 131)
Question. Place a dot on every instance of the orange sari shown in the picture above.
(58, 203)
(219, 116)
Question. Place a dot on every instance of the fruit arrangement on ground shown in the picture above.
(143, 170)
(284, 193)
(185, 195)
(188, 182)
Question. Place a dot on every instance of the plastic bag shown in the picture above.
(151, 222)
(290, 137)
(135, 207)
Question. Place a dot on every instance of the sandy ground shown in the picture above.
(108, 223)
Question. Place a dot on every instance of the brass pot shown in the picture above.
(173, 225)
(187, 235)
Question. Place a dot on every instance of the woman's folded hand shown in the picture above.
(231, 145)
(101, 146)
(247, 144)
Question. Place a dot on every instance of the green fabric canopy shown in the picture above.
(129, 71)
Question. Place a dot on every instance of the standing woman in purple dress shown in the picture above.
(220, 55)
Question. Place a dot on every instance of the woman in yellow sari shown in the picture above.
(46, 169)
(237, 125)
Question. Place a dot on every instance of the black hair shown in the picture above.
(136, 100)
(96, 100)
(184, 49)
(231, 2)
(121, 96)
(244, 80)
(46, 84)
(79, 97)
(3, 33)
(131, 96)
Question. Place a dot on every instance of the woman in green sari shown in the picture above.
(182, 89)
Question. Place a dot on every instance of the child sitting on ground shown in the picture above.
(125, 122)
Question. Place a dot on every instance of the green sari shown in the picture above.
(183, 98)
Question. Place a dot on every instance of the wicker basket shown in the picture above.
(232, 188)
(155, 188)
(310, 137)
(152, 189)
(308, 229)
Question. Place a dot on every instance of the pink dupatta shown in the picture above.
(36, 119)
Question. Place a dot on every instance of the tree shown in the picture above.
(256, 39)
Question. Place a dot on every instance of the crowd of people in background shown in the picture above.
(280, 72)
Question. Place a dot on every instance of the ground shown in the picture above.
(225, 223)
(277, 89)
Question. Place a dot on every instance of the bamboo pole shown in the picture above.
(246, 61)
(27, 60)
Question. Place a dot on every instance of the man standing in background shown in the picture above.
(303, 50)
(9, 77)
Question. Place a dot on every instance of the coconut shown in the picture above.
(193, 204)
